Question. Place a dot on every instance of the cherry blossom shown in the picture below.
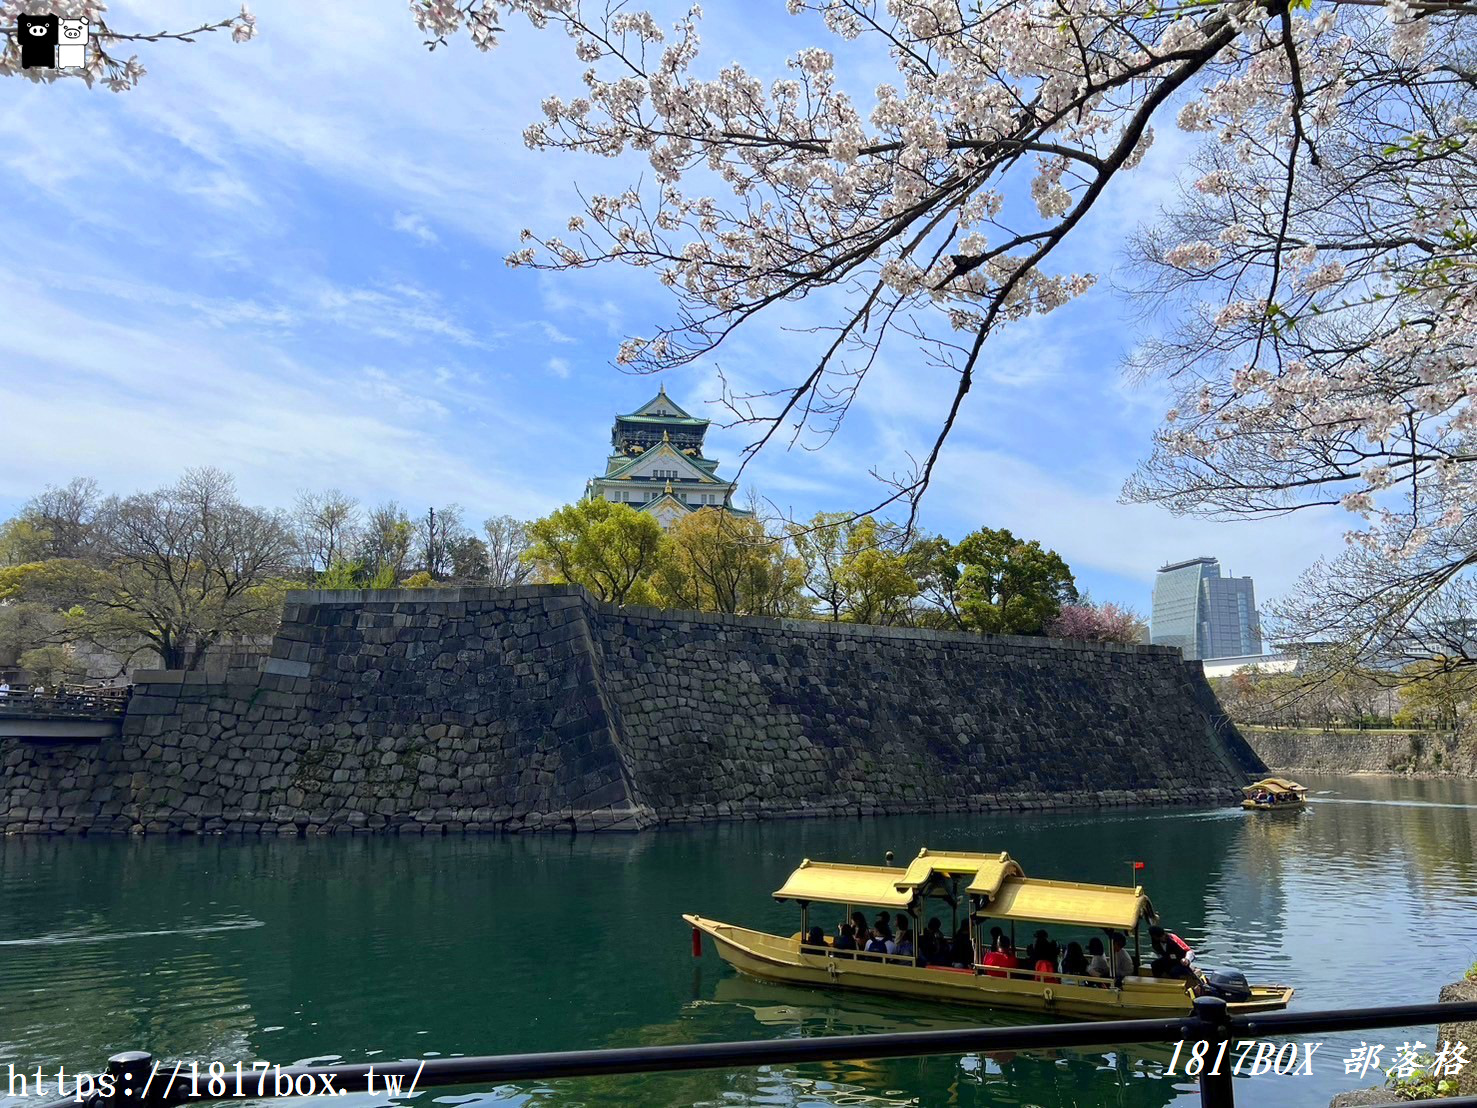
(1326, 359)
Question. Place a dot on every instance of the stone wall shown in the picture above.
(1408, 753)
(1463, 991)
(530, 708)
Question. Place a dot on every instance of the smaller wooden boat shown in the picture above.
(1275, 794)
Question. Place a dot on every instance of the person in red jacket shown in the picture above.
(1001, 957)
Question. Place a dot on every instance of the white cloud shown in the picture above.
(414, 225)
(559, 367)
(1084, 521)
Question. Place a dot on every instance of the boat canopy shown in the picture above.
(985, 871)
(843, 883)
(996, 881)
(1068, 902)
(1275, 784)
(889, 887)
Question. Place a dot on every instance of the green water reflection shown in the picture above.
(298, 950)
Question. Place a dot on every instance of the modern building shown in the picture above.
(1204, 614)
(656, 464)
(1263, 663)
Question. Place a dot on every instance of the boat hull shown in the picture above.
(1285, 806)
(776, 958)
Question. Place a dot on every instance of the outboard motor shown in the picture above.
(1228, 984)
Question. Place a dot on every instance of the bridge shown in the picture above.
(67, 715)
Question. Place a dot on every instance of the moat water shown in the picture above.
(354, 949)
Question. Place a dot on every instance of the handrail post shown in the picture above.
(130, 1072)
(1213, 1024)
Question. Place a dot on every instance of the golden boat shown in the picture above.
(1275, 794)
(992, 887)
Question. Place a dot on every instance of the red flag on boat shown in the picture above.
(1138, 865)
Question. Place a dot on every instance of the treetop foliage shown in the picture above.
(188, 569)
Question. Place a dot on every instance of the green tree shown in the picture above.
(385, 542)
(858, 569)
(610, 549)
(468, 557)
(1436, 692)
(992, 582)
(718, 562)
(52, 665)
(821, 546)
(343, 574)
(21, 541)
(878, 576)
(173, 571)
(26, 625)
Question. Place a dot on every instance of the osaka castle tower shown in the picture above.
(656, 464)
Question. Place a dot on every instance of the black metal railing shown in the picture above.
(65, 703)
(140, 1081)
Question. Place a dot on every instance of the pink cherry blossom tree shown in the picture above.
(1098, 623)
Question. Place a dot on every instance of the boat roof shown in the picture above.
(1071, 903)
(1279, 784)
(985, 871)
(844, 883)
(997, 879)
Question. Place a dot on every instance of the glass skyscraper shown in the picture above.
(1204, 614)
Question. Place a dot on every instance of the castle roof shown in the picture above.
(662, 409)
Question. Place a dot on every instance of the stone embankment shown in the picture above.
(540, 708)
(1463, 991)
(1402, 753)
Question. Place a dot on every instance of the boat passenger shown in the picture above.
(1045, 964)
(845, 940)
(1074, 962)
(904, 923)
(1040, 943)
(961, 951)
(859, 928)
(932, 944)
(904, 947)
(876, 944)
(1097, 965)
(1001, 957)
(1122, 960)
(1170, 964)
(1157, 942)
(815, 937)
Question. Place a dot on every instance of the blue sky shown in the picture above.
(285, 258)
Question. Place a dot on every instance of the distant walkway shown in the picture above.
(68, 702)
